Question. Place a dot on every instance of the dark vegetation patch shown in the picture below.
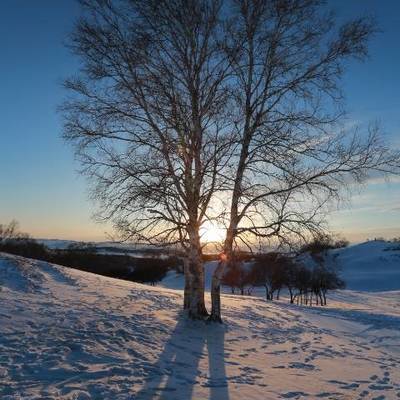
(138, 269)
(304, 274)
(323, 243)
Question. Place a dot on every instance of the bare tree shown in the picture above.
(271, 271)
(182, 105)
(146, 114)
(292, 157)
(11, 231)
(237, 276)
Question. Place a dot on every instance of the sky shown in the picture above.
(39, 183)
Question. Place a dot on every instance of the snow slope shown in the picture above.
(67, 334)
(370, 266)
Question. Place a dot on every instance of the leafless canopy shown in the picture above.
(187, 110)
(11, 231)
(148, 112)
(292, 156)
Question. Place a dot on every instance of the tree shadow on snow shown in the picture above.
(372, 321)
(177, 370)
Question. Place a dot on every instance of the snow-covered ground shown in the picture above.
(67, 334)
(370, 266)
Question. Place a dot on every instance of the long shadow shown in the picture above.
(374, 321)
(177, 372)
(218, 382)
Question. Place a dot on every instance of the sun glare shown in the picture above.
(210, 232)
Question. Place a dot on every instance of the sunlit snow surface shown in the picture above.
(66, 334)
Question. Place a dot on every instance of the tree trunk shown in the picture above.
(216, 292)
(194, 279)
(291, 295)
(188, 284)
(217, 278)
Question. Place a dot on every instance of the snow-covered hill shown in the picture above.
(66, 334)
(369, 266)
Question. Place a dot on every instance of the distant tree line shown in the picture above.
(304, 281)
(85, 258)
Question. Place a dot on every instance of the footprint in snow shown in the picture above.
(299, 365)
(294, 395)
(374, 386)
(327, 394)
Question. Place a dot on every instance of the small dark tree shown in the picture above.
(323, 242)
(290, 279)
(327, 279)
(302, 283)
(270, 271)
(323, 277)
(231, 277)
(237, 277)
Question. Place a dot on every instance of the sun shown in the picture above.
(210, 232)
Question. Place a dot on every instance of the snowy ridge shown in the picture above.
(370, 266)
(67, 334)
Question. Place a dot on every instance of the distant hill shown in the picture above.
(371, 266)
(104, 247)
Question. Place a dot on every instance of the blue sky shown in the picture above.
(40, 186)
